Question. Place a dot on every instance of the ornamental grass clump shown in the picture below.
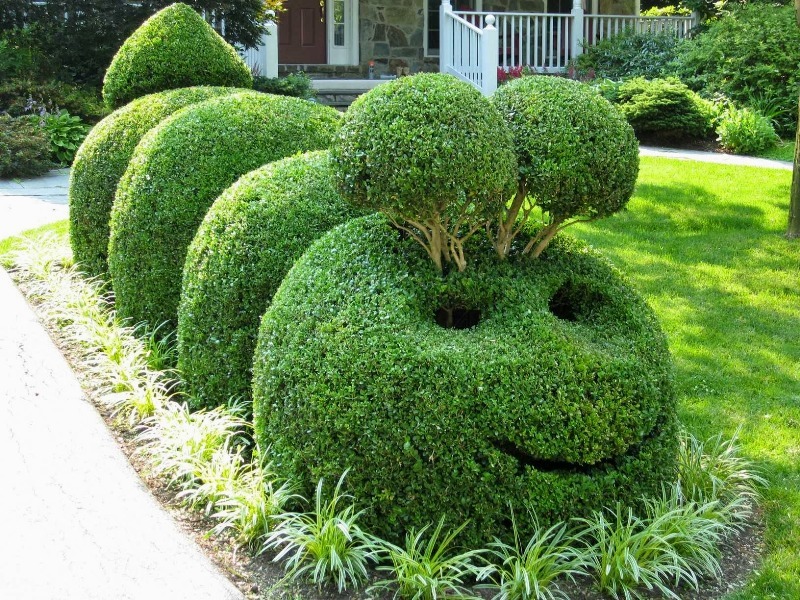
(431, 153)
(174, 48)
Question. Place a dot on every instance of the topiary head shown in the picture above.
(430, 152)
(174, 48)
(578, 156)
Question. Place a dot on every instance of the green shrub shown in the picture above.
(24, 148)
(101, 162)
(295, 84)
(65, 133)
(250, 238)
(753, 51)
(630, 54)
(174, 48)
(178, 170)
(664, 109)
(578, 158)
(431, 153)
(744, 131)
(20, 97)
(560, 396)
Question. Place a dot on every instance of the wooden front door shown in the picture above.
(301, 33)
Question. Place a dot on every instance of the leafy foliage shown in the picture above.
(578, 158)
(65, 133)
(174, 48)
(101, 161)
(431, 153)
(24, 148)
(744, 131)
(326, 544)
(250, 238)
(429, 569)
(755, 49)
(630, 54)
(561, 344)
(294, 84)
(175, 174)
(664, 108)
(20, 97)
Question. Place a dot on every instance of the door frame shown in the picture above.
(348, 54)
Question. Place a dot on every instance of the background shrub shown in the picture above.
(750, 54)
(174, 48)
(178, 170)
(630, 54)
(664, 109)
(25, 97)
(560, 396)
(24, 148)
(744, 131)
(250, 238)
(101, 162)
(294, 84)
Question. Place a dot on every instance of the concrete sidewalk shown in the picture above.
(78, 523)
(715, 157)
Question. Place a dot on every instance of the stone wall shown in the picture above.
(392, 35)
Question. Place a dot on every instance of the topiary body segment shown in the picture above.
(101, 161)
(248, 241)
(558, 393)
(174, 48)
(176, 173)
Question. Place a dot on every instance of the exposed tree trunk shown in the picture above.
(794, 204)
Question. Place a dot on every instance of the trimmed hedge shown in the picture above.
(101, 161)
(577, 154)
(664, 109)
(174, 48)
(248, 241)
(561, 396)
(178, 170)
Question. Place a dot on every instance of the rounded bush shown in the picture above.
(543, 382)
(248, 241)
(174, 48)
(664, 109)
(424, 146)
(101, 161)
(576, 152)
(178, 170)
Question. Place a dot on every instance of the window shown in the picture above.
(338, 23)
(432, 21)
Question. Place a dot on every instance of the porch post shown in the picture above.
(489, 59)
(271, 49)
(446, 36)
(576, 32)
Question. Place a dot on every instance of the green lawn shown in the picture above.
(705, 244)
(783, 151)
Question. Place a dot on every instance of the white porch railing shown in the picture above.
(474, 44)
(468, 51)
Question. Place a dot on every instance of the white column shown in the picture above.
(445, 36)
(489, 57)
(271, 50)
(576, 31)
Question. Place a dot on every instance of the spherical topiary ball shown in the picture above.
(247, 242)
(544, 382)
(178, 170)
(577, 153)
(101, 161)
(423, 146)
(174, 48)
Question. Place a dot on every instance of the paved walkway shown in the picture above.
(715, 157)
(77, 522)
